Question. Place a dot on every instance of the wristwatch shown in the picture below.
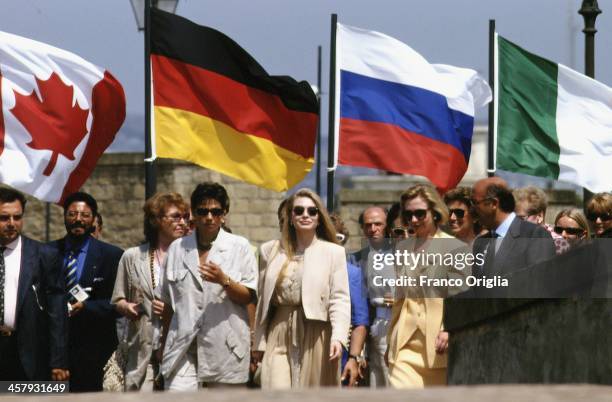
(227, 282)
(357, 358)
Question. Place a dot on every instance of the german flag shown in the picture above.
(215, 106)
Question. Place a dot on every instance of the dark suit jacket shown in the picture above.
(41, 315)
(93, 335)
(525, 244)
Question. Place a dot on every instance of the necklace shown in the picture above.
(152, 255)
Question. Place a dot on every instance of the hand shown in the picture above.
(353, 371)
(60, 374)
(442, 342)
(158, 307)
(76, 308)
(211, 272)
(335, 350)
(127, 309)
(256, 358)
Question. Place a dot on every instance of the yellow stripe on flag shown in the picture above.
(214, 145)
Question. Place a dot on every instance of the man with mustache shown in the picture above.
(92, 265)
(33, 317)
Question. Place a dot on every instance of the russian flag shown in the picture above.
(399, 113)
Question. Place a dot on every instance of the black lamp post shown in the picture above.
(142, 14)
(589, 11)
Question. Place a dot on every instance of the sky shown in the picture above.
(283, 35)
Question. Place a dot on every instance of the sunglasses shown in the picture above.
(569, 231)
(604, 217)
(205, 211)
(299, 211)
(420, 214)
(397, 231)
(459, 213)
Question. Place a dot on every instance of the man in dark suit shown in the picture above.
(33, 317)
(510, 243)
(91, 264)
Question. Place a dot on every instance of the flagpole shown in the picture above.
(318, 171)
(150, 179)
(491, 142)
(589, 10)
(332, 112)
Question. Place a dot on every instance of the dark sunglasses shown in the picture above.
(459, 213)
(570, 231)
(205, 211)
(420, 214)
(299, 211)
(604, 217)
(399, 231)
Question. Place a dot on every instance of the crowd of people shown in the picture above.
(196, 305)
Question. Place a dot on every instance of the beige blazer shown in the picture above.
(134, 282)
(424, 306)
(325, 287)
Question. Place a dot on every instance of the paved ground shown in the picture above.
(496, 393)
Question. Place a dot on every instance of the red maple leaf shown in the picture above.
(53, 123)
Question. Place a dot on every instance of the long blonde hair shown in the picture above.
(324, 231)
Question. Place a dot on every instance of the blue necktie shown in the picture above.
(2, 249)
(71, 270)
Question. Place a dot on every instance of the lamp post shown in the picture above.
(142, 13)
(589, 10)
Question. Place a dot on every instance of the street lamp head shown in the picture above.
(138, 7)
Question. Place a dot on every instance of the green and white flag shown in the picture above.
(551, 121)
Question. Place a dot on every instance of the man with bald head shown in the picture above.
(518, 243)
(373, 224)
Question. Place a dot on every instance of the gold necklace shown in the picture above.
(152, 265)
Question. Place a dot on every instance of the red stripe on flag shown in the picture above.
(247, 110)
(388, 147)
(108, 114)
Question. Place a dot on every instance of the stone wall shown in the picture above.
(117, 183)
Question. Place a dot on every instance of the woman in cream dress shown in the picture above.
(303, 311)
(417, 341)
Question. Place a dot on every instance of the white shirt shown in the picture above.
(12, 265)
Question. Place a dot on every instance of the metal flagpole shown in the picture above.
(318, 162)
(150, 174)
(332, 111)
(491, 142)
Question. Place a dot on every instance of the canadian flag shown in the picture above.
(59, 113)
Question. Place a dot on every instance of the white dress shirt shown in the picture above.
(12, 265)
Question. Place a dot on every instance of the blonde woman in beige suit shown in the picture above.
(417, 342)
(303, 310)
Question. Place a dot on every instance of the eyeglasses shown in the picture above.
(569, 231)
(604, 217)
(459, 213)
(420, 214)
(399, 231)
(340, 237)
(6, 218)
(74, 214)
(299, 211)
(205, 211)
(176, 218)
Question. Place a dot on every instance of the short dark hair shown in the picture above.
(81, 196)
(210, 190)
(8, 194)
(394, 212)
(504, 195)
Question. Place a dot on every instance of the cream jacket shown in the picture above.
(325, 287)
(204, 313)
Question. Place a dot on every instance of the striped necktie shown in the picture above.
(2, 249)
(71, 270)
